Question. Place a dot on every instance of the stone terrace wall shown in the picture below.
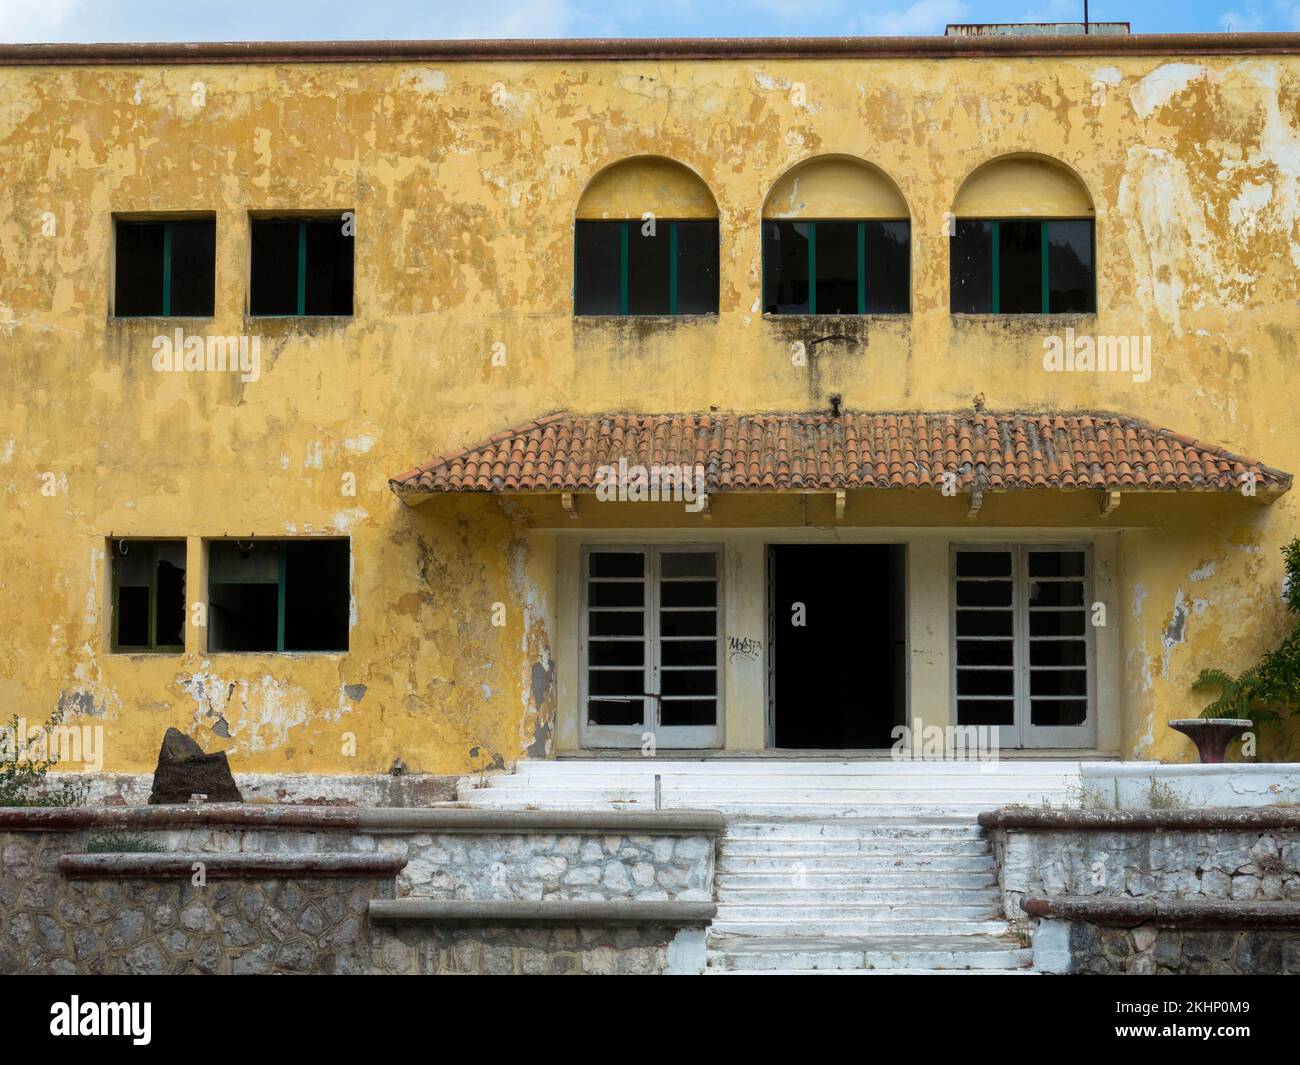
(1243, 854)
(244, 923)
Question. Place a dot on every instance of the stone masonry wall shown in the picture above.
(518, 865)
(1146, 951)
(1209, 864)
(50, 924)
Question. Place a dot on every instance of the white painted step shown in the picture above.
(898, 954)
(795, 891)
(832, 847)
(832, 926)
(792, 864)
(893, 880)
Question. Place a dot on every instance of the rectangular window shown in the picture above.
(278, 595)
(633, 268)
(1023, 266)
(836, 267)
(302, 266)
(652, 637)
(1021, 637)
(148, 595)
(164, 269)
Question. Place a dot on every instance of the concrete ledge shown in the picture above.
(328, 818)
(510, 911)
(1115, 912)
(132, 866)
(1231, 818)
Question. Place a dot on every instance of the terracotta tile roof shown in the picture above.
(747, 452)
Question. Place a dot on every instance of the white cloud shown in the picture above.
(34, 21)
(920, 18)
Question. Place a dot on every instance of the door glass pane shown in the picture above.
(837, 267)
(688, 668)
(1058, 648)
(616, 651)
(988, 712)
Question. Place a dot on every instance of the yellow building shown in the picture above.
(344, 380)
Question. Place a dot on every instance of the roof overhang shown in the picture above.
(964, 453)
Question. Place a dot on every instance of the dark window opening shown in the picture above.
(279, 595)
(634, 268)
(836, 267)
(148, 595)
(301, 266)
(165, 269)
(820, 698)
(1023, 266)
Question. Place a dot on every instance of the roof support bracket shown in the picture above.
(569, 502)
(1110, 502)
(976, 501)
(841, 500)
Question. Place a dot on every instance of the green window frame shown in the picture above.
(288, 569)
(862, 272)
(1044, 245)
(150, 548)
(301, 272)
(624, 271)
(168, 229)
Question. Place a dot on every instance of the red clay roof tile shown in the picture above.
(744, 452)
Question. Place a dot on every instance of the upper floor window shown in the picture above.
(1023, 241)
(646, 242)
(302, 265)
(836, 240)
(164, 267)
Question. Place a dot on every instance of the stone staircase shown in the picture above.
(827, 866)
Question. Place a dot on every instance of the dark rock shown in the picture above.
(185, 770)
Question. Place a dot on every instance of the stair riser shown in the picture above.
(987, 897)
(822, 927)
(874, 882)
(847, 848)
(793, 866)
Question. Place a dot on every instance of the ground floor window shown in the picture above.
(1023, 643)
(278, 595)
(148, 595)
(651, 641)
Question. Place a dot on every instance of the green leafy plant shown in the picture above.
(115, 842)
(22, 778)
(1270, 688)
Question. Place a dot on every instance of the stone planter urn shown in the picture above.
(1212, 734)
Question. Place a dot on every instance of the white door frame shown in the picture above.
(1022, 733)
(683, 737)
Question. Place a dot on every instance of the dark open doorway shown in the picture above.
(837, 640)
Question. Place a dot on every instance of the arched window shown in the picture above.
(646, 242)
(1023, 240)
(836, 240)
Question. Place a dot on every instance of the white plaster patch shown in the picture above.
(1107, 75)
(424, 80)
(315, 456)
(1176, 631)
(1139, 596)
(344, 520)
(92, 587)
(1161, 86)
(1246, 207)
(359, 445)
(7, 452)
(1204, 573)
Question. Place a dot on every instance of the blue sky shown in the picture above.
(179, 20)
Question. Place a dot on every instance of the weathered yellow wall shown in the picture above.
(465, 179)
